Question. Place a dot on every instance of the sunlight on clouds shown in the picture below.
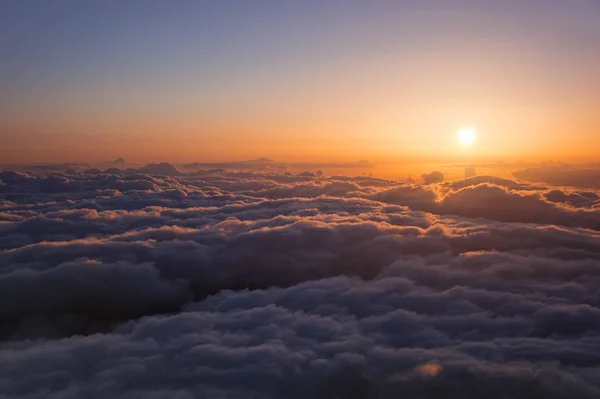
(429, 369)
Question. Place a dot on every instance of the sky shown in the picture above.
(184, 81)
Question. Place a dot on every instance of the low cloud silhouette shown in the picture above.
(259, 285)
(563, 175)
(433, 177)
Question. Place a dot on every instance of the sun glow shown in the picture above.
(466, 136)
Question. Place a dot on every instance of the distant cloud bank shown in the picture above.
(563, 175)
(156, 283)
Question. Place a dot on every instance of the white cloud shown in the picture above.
(263, 285)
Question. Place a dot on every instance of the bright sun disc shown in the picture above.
(466, 136)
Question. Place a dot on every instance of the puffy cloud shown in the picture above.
(500, 199)
(250, 285)
(12, 177)
(497, 203)
(433, 177)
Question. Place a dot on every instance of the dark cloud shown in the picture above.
(250, 285)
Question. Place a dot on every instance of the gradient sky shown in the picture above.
(298, 80)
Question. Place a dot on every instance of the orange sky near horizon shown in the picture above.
(414, 134)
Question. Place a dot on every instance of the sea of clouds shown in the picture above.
(224, 284)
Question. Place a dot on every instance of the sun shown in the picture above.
(466, 136)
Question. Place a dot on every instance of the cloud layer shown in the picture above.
(248, 285)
